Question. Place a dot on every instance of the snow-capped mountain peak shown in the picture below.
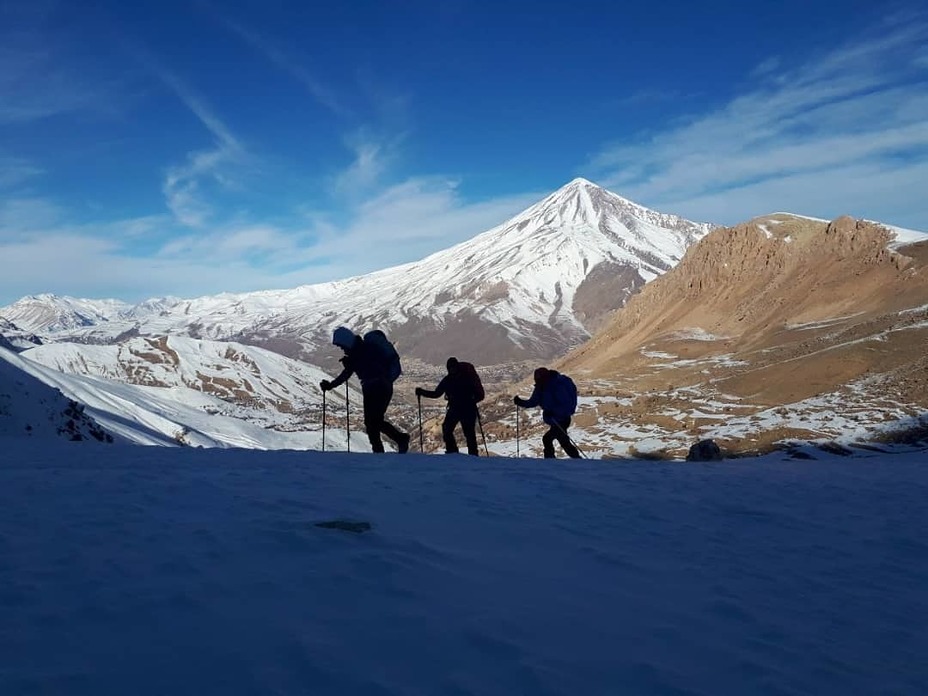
(528, 288)
(48, 313)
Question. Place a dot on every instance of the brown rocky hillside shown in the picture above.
(781, 328)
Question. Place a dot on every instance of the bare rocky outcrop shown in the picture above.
(749, 281)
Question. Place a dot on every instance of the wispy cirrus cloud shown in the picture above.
(856, 111)
(322, 93)
(16, 170)
(35, 84)
(401, 223)
(374, 146)
(371, 162)
(406, 222)
(186, 185)
(42, 73)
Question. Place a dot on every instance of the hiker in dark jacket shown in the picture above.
(462, 392)
(557, 396)
(367, 363)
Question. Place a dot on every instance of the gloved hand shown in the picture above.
(325, 385)
(517, 401)
(419, 391)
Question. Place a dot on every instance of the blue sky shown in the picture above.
(189, 147)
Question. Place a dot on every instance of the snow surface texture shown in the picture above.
(153, 571)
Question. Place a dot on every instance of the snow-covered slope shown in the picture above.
(204, 572)
(30, 408)
(13, 338)
(528, 288)
(259, 408)
(241, 375)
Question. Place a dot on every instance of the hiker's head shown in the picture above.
(452, 364)
(542, 375)
(343, 338)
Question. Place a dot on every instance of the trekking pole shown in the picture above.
(347, 420)
(480, 423)
(517, 432)
(419, 399)
(323, 420)
(582, 453)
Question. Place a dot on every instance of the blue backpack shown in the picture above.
(390, 359)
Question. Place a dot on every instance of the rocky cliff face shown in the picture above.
(744, 282)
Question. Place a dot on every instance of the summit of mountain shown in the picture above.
(530, 288)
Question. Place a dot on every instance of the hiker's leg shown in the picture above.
(374, 407)
(547, 442)
(386, 427)
(562, 437)
(469, 427)
(447, 431)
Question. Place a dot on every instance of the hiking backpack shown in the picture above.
(390, 359)
(473, 379)
(566, 394)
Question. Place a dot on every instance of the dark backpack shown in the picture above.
(565, 394)
(473, 379)
(390, 359)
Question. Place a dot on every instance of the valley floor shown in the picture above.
(143, 570)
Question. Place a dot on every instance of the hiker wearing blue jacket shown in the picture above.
(557, 396)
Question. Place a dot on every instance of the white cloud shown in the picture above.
(368, 165)
(408, 221)
(403, 223)
(39, 76)
(808, 140)
(400, 224)
(71, 264)
(33, 86)
(15, 170)
(314, 86)
(20, 215)
(371, 160)
(184, 184)
(766, 67)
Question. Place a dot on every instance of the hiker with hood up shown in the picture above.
(373, 368)
(463, 390)
(557, 396)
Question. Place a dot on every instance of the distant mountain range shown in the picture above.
(784, 327)
(528, 289)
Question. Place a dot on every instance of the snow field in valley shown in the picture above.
(149, 570)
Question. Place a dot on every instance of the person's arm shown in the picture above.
(530, 402)
(436, 392)
(343, 377)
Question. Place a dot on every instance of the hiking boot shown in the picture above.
(402, 443)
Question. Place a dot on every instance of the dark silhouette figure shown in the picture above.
(557, 396)
(462, 388)
(374, 370)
